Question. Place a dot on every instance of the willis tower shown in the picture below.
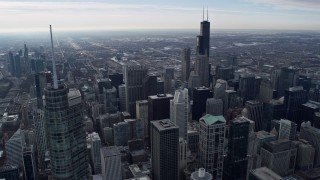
(203, 40)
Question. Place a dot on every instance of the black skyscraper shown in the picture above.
(203, 40)
(236, 161)
(200, 96)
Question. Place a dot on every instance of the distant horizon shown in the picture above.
(80, 15)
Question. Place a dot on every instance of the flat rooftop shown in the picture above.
(164, 124)
(110, 151)
(265, 174)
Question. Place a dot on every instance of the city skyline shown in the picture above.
(35, 15)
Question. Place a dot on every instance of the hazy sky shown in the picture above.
(36, 15)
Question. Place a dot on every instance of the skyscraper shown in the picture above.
(247, 87)
(38, 118)
(203, 40)
(255, 113)
(200, 96)
(288, 77)
(179, 111)
(237, 161)
(312, 135)
(142, 113)
(211, 142)
(293, 100)
(95, 142)
(214, 107)
(287, 130)
(134, 76)
(185, 65)
(29, 163)
(164, 150)
(159, 107)
(111, 163)
(65, 130)
(202, 69)
(149, 86)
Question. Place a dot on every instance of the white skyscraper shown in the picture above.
(287, 130)
(179, 108)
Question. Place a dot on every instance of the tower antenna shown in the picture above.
(207, 14)
(203, 13)
(55, 78)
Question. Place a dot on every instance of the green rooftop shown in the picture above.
(210, 119)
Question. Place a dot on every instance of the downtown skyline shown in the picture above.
(35, 15)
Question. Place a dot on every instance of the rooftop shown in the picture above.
(110, 151)
(164, 124)
(265, 174)
(210, 119)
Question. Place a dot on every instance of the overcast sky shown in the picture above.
(36, 15)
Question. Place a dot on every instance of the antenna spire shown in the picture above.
(55, 78)
(203, 13)
(207, 14)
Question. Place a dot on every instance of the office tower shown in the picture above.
(159, 107)
(40, 84)
(122, 98)
(203, 40)
(111, 163)
(236, 162)
(211, 142)
(38, 118)
(312, 135)
(202, 69)
(179, 111)
(121, 133)
(110, 100)
(185, 65)
(168, 76)
(27, 68)
(257, 84)
(224, 73)
(107, 136)
(264, 173)
(149, 86)
(305, 155)
(251, 143)
(14, 149)
(266, 90)
(164, 150)
(262, 137)
(308, 110)
(273, 109)
(201, 174)
(287, 79)
(279, 156)
(17, 65)
(247, 87)
(11, 67)
(293, 99)
(95, 143)
(136, 128)
(134, 76)
(10, 172)
(304, 81)
(200, 96)
(29, 163)
(214, 107)
(287, 130)
(275, 77)
(142, 113)
(255, 113)
(220, 88)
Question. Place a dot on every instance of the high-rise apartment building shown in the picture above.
(179, 113)
(164, 150)
(211, 142)
(41, 143)
(134, 76)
